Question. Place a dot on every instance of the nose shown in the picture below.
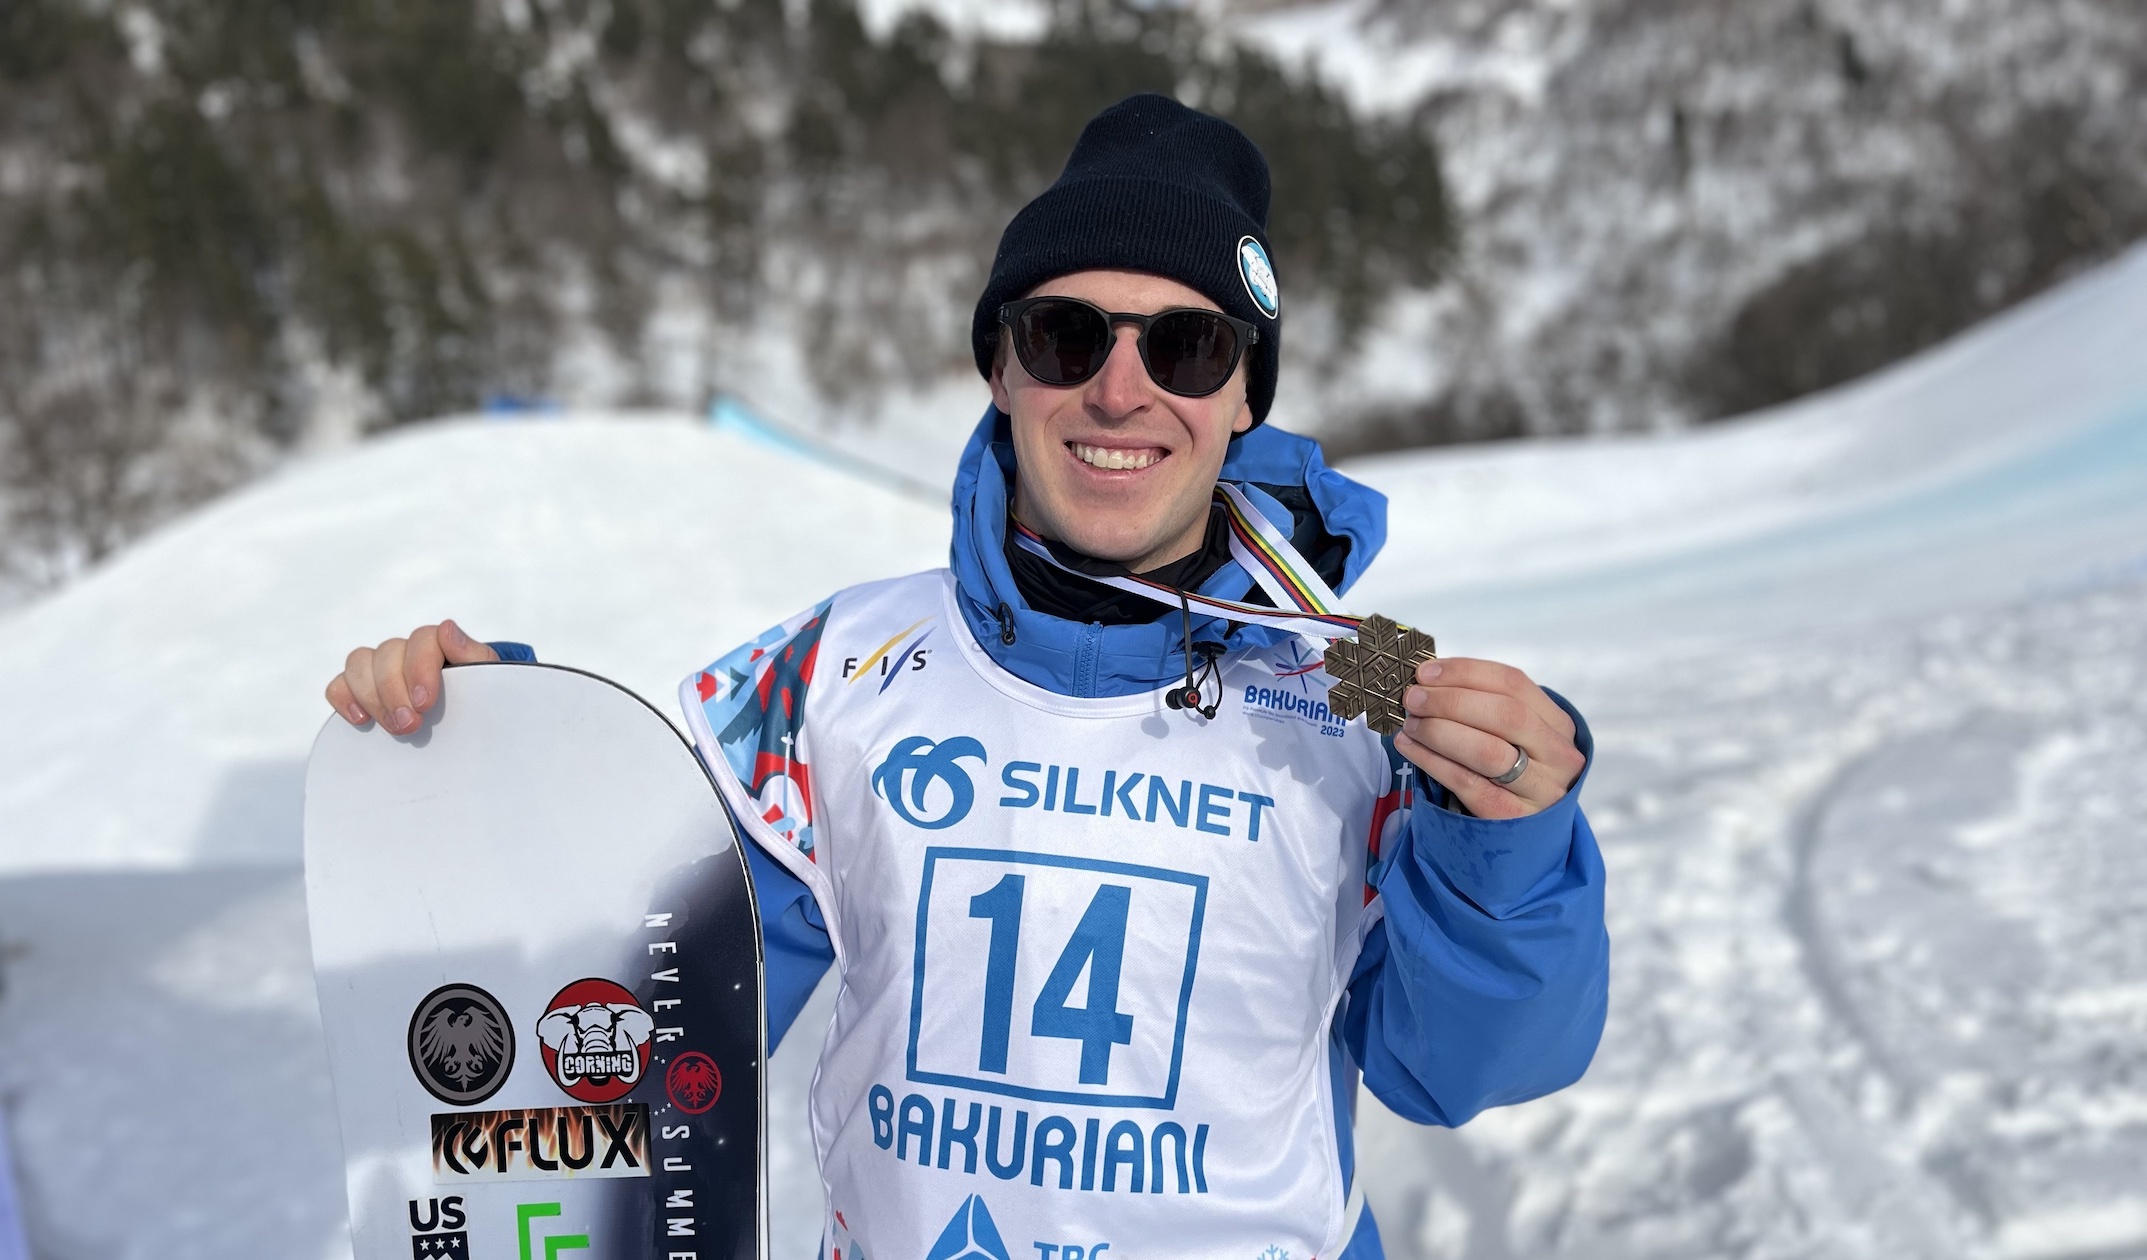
(1121, 388)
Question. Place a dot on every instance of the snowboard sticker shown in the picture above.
(539, 971)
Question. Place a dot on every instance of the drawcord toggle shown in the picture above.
(1192, 693)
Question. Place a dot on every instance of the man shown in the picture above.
(1120, 909)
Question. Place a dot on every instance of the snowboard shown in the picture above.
(539, 970)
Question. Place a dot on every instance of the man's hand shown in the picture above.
(393, 683)
(1468, 721)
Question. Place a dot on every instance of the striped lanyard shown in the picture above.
(1304, 603)
(1372, 660)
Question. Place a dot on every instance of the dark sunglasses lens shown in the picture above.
(1062, 343)
(1191, 352)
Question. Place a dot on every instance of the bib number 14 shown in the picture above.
(1026, 984)
(1098, 946)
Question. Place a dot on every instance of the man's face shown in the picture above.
(1152, 506)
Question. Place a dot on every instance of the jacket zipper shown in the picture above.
(1085, 659)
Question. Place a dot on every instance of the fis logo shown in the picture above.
(888, 662)
(971, 1235)
(905, 780)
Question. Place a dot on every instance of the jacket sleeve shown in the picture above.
(793, 937)
(1486, 980)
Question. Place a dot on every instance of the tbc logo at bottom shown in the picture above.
(973, 1235)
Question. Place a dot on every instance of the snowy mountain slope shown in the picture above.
(201, 652)
(2015, 449)
(1876, 904)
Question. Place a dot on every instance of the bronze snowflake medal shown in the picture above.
(1373, 671)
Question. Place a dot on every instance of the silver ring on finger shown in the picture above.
(1520, 767)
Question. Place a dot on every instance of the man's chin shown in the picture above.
(1125, 546)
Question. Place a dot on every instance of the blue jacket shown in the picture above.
(1486, 981)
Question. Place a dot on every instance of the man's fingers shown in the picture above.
(1479, 795)
(343, 701)
(1542, 781)
(421, 667)
(1480, 751)
(1479, 675)
(1495, 712)
(460, 648)
(396, 712)
(358, 676)
(393, 683)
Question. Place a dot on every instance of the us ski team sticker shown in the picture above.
(461, 1045)
(596, 1040)
(1259, 277)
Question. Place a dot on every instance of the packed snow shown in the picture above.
(1866, 676)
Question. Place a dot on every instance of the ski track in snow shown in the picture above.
(1877, 963)
(1868, 678)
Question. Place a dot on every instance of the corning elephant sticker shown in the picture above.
(597, 1028)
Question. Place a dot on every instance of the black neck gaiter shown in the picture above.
(1057, 593)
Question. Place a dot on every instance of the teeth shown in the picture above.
(1102, 457)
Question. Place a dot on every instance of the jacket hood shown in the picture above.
(1335, 522)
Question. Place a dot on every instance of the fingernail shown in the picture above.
(451, 631)
(403, 718)
(1415, 698)
(1427, 671)
(418, 695)
(355, 714)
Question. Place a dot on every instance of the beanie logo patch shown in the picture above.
(1259, 277)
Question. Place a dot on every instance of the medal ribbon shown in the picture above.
(1304, 604)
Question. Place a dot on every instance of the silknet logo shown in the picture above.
(924, 782)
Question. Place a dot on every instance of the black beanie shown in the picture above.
(1151, 186)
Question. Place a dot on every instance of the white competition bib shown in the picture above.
(1090, 948)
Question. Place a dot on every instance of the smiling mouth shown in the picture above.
(1114, 459)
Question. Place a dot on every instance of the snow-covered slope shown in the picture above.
(1866, 677)
(2007, 458)
(162, 708)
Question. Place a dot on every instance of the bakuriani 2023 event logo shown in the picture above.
(595, 1038)
(461, 1044)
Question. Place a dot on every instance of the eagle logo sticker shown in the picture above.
(461, 1045)
(596, 1040)
(1259, 276)
(694, 1082)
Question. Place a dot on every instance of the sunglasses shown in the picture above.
(1188, 350)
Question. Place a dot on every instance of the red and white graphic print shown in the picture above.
(595, 1038)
